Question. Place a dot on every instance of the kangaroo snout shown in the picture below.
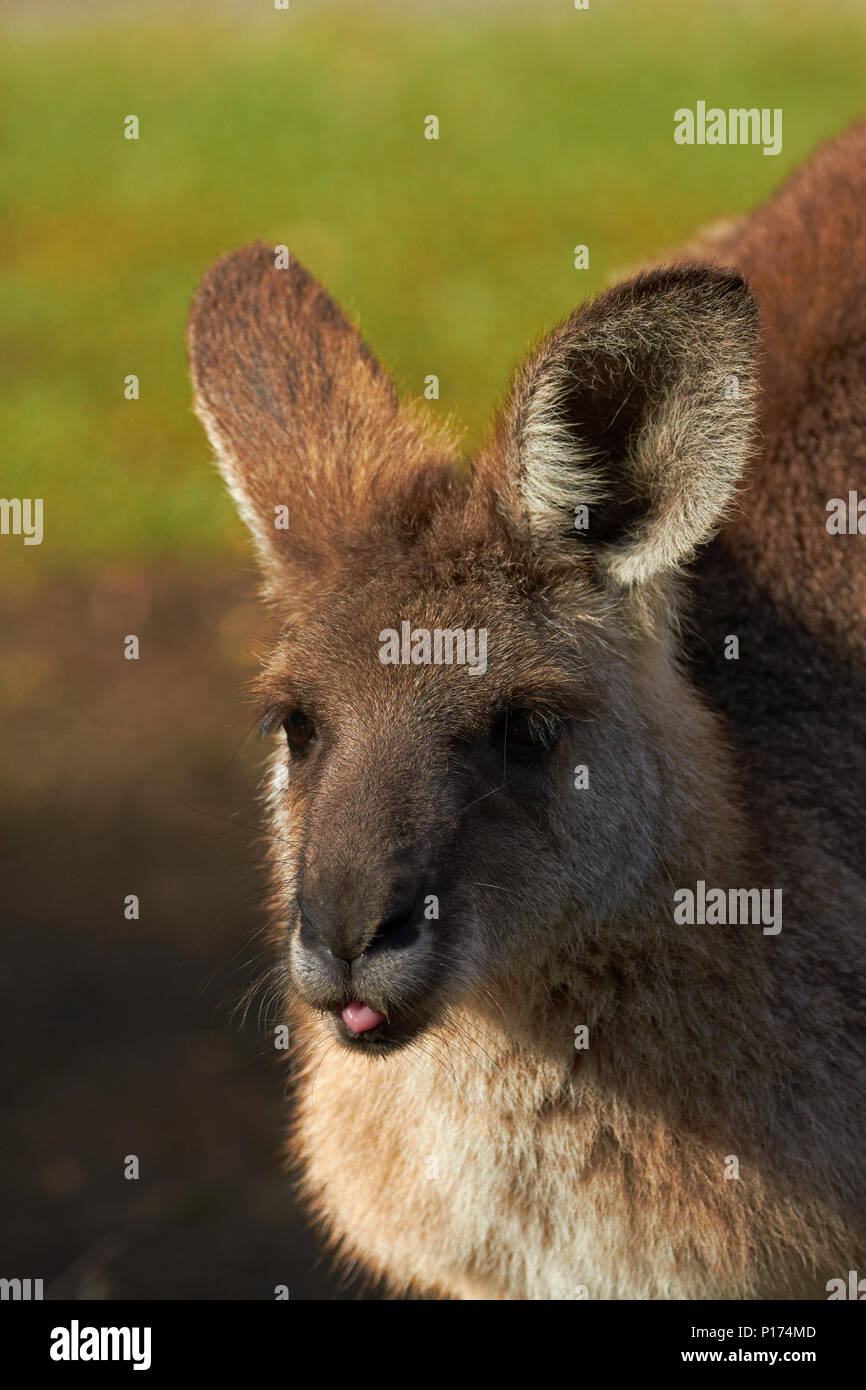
(343, 918)
(364, 951)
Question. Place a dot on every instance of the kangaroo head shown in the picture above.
(482, 736)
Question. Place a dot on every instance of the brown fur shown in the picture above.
(476, 1153)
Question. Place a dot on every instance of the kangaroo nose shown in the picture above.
(340, 923)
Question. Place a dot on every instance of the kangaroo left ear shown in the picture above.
(638, 409)
(300, 412)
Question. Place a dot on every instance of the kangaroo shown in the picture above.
(571, 944)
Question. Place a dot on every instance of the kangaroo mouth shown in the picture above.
(362, 1028)
(360, 1018)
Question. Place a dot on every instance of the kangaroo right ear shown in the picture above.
(635, 417)
(307, 428)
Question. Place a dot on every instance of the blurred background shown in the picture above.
(302, 126)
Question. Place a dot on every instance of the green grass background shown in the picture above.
(306, 127)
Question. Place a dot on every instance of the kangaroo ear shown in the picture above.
(307, 428)
(627, 432)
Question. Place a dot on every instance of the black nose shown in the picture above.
(340, 923)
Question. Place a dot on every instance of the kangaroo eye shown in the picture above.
(524, 732)
(300, 731)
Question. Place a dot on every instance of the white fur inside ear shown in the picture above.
(695, 451)
(685, 463)
(640, 407)
(557, 473)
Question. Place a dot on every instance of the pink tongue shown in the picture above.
(360, 1017)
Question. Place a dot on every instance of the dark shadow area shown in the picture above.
(795, 711)
(126, 777)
